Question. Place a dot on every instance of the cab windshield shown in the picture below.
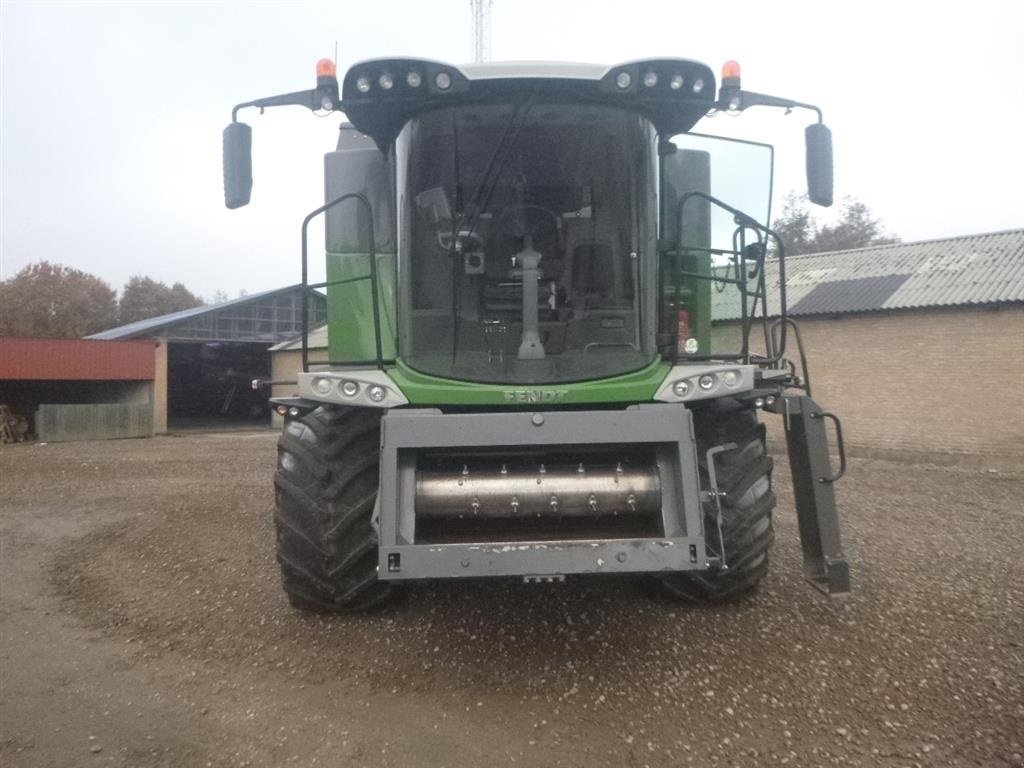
(527, 242)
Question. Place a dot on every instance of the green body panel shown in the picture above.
(350, 336)
(636, 387)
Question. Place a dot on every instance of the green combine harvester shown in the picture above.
(550, 335)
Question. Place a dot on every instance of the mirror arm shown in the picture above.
(316, 99)
(752, 99)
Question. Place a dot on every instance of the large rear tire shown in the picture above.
(745, 477)
(325, 490)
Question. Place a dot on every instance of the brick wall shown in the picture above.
(947, 384)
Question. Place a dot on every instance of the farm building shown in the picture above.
(76, 389)
(207, 357)
(919, 347)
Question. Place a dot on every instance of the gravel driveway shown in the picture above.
(143, 624)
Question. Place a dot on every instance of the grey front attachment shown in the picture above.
(664, 430)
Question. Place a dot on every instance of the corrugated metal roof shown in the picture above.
(859, 294)
(317, 340)
(158, 326)
(956, 271)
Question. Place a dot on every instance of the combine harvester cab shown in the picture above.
(550, 334)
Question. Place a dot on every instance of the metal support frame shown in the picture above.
(669, 428)
(825, 565)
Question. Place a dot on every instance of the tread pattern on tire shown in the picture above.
(325, 489)
(744, 475)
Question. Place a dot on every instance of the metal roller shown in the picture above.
(542, 491)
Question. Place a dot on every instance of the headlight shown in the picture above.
(322, 386)
(698, 85)
(730, 378)
(681, 388)
(651, 79)
(376, 393)
(676, 82)
(443, 81)
(623, 79)
(414, 79)
(349, 388)
(707, 381)
(386, 81)
(363, 84)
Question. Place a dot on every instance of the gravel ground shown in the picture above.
(143, 624)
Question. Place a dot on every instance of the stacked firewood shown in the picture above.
(13, 429)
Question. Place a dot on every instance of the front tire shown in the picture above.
(744, 475)
(325, 490)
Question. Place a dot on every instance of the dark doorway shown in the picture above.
(210, 384)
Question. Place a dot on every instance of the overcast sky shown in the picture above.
(112, 112)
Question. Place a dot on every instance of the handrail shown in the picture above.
(839, 443)
(743, 222)
(800, 350)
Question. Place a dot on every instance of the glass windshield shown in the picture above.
(527, 239)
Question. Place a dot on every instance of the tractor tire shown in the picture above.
(325, 490)
(744, 475)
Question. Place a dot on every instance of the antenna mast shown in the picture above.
(481, 29)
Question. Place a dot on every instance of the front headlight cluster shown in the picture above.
(706, 383)
(349, 389)
(698, 383)
(367, 388)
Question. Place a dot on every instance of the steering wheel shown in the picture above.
(522, 227)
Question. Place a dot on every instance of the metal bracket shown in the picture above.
(825, 565)
(715, 495)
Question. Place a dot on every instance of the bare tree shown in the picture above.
(856, 227)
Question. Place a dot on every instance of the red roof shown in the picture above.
(76, 359)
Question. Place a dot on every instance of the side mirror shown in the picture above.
(819, 164)
(237, 165)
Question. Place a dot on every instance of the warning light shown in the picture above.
(326, 68)
(731, 70)
(729, 92)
